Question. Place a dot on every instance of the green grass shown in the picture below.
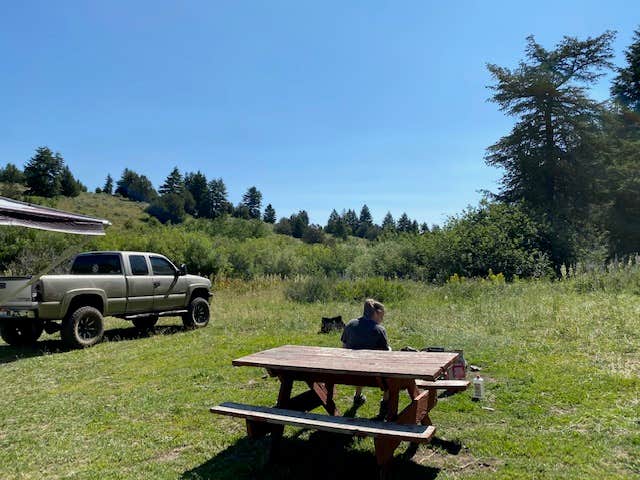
(562, 371)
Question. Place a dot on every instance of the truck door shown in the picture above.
(140, 285)
(170, 292)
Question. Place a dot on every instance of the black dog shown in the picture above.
(331, 324)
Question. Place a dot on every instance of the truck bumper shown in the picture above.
(14, 313)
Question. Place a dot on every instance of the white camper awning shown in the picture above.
(21, 214)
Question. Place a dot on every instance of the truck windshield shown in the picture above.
(103, 264)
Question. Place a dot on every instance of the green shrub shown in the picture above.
(374, 287)
(310, 290)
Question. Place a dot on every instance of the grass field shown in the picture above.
(562, 372)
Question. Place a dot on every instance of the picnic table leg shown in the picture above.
(432, 399)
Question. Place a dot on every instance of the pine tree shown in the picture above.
(424, 228)
(269, 214)
(252, 200)
(174, 183)
(196, 184)
(299, 223)
(351, 221)
(626, 85)
(404, 223)
(42, 173)
(388, 223)
(218, 203)
(69, 186)
(108, 185)
(135, 187)
(11, 174)
(365, 216)
(551, 157)
(332, 222)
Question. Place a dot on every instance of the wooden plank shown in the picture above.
(414, 365)
(345, 425)
(443, 384)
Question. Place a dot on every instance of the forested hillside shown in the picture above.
(569, 196)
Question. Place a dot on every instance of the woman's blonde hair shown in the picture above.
(371, 306)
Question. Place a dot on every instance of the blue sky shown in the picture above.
(321, 105)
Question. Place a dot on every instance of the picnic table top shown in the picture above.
(376, 363)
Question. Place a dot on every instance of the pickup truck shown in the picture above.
(136, 286)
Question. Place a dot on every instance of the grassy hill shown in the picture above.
(562, 378)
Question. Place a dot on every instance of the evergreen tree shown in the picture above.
(174, 183)
(42, 173)
(108, 185)
(365, 216)
(550, 158)
(169, 207)
(269, 214)
(252, 200)
(299, 223)
(388, 223)
(11, 174)
(626, 85)
(351, 221)
(336, 225)
(283, 227)
(415, 228)
(424, 228)
(218, 203)
(135, 187)
(196, 184)
(332, 222)
(404, 223)
(69, 186)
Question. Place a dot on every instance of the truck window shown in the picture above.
(162, 267)
(138, 265)
(102, 264)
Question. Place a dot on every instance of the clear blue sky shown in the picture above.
(319, 104)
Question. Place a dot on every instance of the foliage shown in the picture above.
(42, 173)
(551, 158)
(252, 202)
(326, 289)
(135, 187)
(11, 174)
(626, 85)
(269, 214)
(108, 185)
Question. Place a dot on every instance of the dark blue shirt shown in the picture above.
(365, 334)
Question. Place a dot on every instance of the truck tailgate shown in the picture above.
(14, 292)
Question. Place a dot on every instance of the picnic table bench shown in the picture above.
(322, 368)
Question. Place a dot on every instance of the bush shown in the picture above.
(310, 290)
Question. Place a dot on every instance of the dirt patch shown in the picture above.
(170, 455)
(463, 460)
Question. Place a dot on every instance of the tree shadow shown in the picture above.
(322, 455)
(9, 353)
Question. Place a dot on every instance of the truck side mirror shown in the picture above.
(183, 269)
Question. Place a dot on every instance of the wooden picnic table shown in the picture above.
(321, 368)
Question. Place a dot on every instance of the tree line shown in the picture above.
(570, 189)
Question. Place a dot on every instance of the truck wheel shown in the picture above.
(83, 328)
(21, 333)
(145, 323)
(198, 314)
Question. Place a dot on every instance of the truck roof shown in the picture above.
(129, 252)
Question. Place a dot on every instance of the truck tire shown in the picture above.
(198, 314)
(145, 323)
(82, 328)
(20, 333)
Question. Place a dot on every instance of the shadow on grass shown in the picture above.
(10, 353)
(322, 455)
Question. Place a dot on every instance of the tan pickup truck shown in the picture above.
(136, 286)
